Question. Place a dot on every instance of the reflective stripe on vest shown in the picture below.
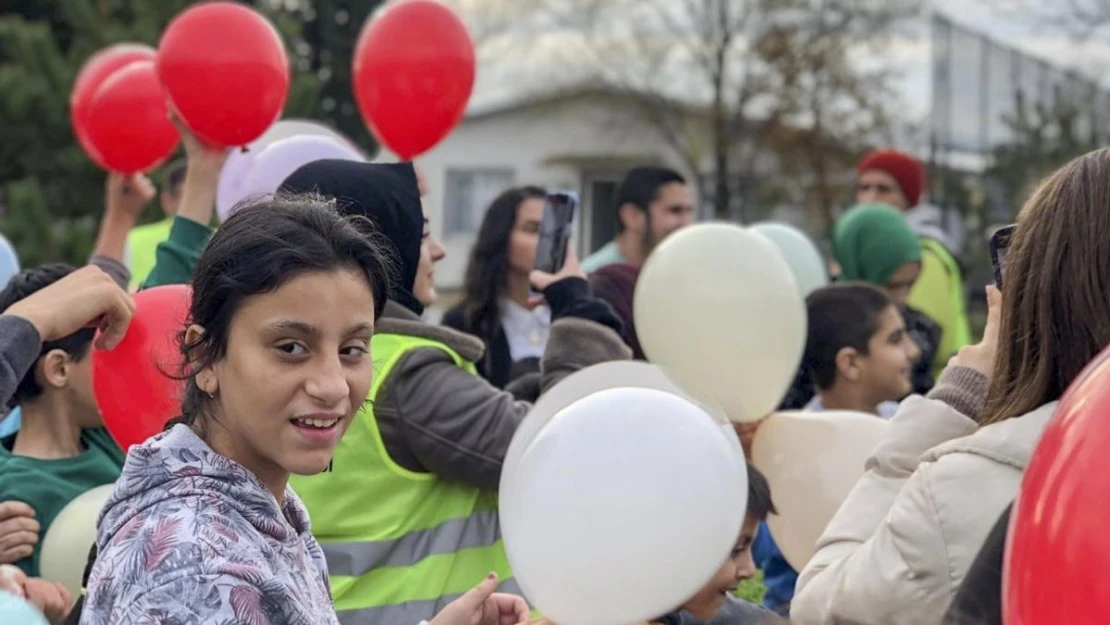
(359, 558)
(399, 544)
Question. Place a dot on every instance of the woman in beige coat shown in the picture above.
(951, 462)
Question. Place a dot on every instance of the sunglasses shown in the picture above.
(999, 245)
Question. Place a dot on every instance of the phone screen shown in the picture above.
(555, 231)
(999, 247)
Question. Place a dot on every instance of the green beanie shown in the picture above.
(872, 241)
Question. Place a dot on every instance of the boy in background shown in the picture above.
(62, 448)
(714, 604)
(861, 358)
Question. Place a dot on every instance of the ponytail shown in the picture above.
(74, 617)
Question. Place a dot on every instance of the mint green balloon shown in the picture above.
(805, 260)
(16, 611)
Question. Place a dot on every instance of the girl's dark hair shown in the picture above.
(488, 268)
(1056, 299)
(258, 249)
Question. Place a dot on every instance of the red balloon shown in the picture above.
(133, 391)
(1057, 547)
(413, 73)
(224, 68)
(93, 74)
(128, 122)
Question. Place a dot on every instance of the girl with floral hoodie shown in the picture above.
(202, 526)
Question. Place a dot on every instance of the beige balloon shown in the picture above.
(65, 549)
(718, 308)
(811, 460)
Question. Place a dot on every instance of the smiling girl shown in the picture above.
(202, 526)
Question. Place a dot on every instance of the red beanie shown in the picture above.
(906, 169)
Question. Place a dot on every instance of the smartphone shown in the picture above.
(555, 231)
(999, 246)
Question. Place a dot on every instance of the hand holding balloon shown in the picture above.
(128, 195)
(202, 177)
(26, 600)
(482, 606)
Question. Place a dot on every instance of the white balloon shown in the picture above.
(582, 383)
(65, 548)
(278, 161)
(625, 504)
(800, 253)
(811, 460)
(240, 161)
(719, 309)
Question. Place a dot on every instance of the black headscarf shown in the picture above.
(388, 194)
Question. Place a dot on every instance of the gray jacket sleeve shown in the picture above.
(19, 349)
(115, 269)
(738, 612)
(457, 425)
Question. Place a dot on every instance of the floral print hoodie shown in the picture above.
(189, 536)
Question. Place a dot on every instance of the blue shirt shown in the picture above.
(779, 577)
(9, 425)
(609, 254)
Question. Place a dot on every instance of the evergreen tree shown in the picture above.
(51, 195)
(325, 47)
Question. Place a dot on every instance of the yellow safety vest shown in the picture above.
(142, 248)
(939, 293)
(400, 545)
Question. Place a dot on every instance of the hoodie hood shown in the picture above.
(871, 241)
(190, 536)
(386, 193)
(178, 465)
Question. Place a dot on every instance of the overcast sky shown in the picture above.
(516, 64)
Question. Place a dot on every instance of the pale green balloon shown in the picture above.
(805, 260)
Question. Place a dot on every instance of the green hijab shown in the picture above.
(872, 241)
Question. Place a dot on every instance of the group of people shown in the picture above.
(316, 389)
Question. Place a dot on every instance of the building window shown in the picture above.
(467, 194)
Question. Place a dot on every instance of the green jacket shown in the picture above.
(176, 258)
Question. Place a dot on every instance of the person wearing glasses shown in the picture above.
(898, 179)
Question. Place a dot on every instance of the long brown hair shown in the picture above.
(1056, 293)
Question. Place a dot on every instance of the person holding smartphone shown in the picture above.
(949, 464)
(407, 511)
(498, 305)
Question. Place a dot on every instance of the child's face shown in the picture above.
(886, 369)
(736, 569)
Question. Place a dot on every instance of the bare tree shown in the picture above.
(832, 105)
(736, 85)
